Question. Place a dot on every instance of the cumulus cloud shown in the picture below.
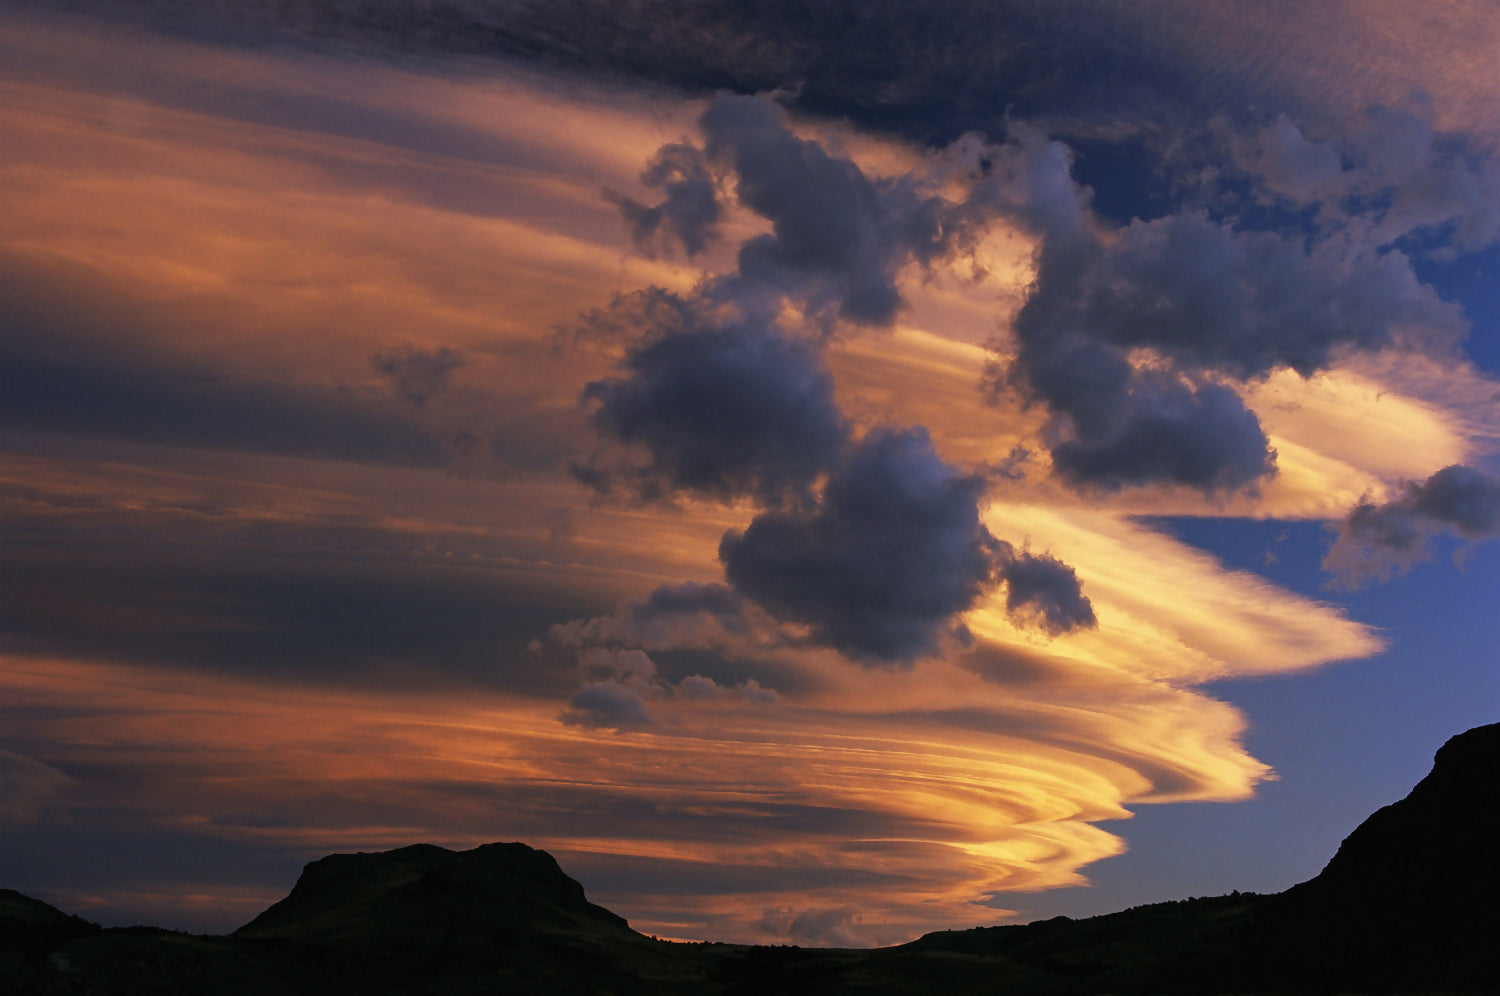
(686, 614)
(416, 374)
(1165, 428)
(839, 238)
(720, 407)
(879, 569)
(607, 704)
(626, 679)
(1389, 176)
(1135, 338)
(701, 688)
(1289, 165)
(1043, 589)
(1378, 540)
(690, 211)
(875, 547)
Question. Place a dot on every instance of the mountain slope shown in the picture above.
(1410, 898)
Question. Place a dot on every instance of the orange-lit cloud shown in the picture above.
(197, 240)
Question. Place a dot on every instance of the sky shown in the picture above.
(825, 472)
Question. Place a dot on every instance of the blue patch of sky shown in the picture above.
(1127, 179)
(1471, 280)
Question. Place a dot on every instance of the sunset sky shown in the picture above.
(824, 471)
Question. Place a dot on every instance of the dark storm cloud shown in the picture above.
(839, 238)
(721, 408)
(690, 212)
(928, 72)
(1376, 541)
(881, 566)
(417, 375)
(1043, 589)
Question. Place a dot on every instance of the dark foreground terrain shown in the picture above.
(1409, 904)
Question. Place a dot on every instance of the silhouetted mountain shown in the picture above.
(372, 899)
(1404, 906)
(1410, 899)
(501, 912)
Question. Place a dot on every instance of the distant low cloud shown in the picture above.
(686, 614)
(626, 680)
(837, 926)
(1376, 541)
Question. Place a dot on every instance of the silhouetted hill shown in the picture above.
(422, 913)
(1410, 898)
(364, 899)
(1405, 906)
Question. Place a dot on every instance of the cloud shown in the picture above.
(838, 238)
(1409, 178)
(880, 567)
(607, 704)
(836, 927)
(725, 403)
(628, 679)
(690, 613)
(929, 75)
(1286, 162)
(418, 374)
(699, 688)
(691, 211)
(1166, 429)
(223, 585)
(1378, 540)
(76, 357)
(1388, 176)
(1135, 338)
(28, 789)
(1042, 588)
(722, 408)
